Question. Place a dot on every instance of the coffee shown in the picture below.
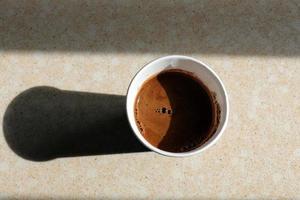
(175, 111)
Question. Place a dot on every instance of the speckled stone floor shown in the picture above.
(98, 46)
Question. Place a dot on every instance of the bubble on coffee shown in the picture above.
(164, 110)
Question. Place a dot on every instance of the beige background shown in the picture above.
(98, 46)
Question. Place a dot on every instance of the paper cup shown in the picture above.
(202, 72)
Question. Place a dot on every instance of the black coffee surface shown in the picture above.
(175, 111)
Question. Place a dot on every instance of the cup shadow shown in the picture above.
(43, 123)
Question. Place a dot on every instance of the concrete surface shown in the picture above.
(98, 46)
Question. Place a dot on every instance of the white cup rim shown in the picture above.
(201, 148)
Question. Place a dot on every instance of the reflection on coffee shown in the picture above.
(175, 111)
